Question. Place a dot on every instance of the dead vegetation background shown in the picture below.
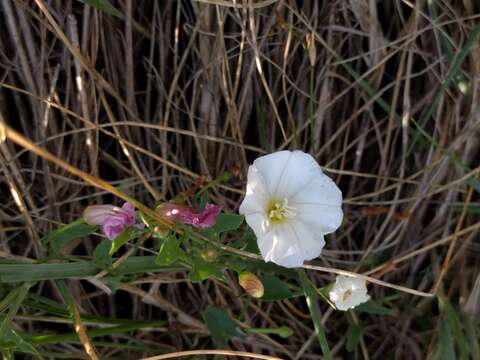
(157, 96)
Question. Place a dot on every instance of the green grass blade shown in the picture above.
(312, 298)
(445, 348)
(13, 308)
(442, 37)
(471, 334)
(92, 333)
(59, 310)
(452, 73)
(11, 273)
(419, 132)
(456, 326)
(9, 298)
(105, 6)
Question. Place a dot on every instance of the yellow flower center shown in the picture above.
(346, 295)
(278, 211)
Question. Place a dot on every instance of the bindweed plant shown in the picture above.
(289, 207)
(187, 235)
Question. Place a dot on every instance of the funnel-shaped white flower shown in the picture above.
(290, 204)
(348, 292)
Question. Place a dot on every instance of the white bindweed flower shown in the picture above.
(290, 204)
(348, 292)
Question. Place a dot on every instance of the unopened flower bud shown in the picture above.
(186, 215)
(251, 284)
(209, 255)
(160, 231)
(312, 50)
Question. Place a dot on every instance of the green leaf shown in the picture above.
(75, 230)
(282, 331)
(101, 255)
(225, 222)
(203, 270)
(105, 6)
(125, 236)
(374, 308)
(258, 266)
(252, 245)
(228, 222)
(354, 334)
(248, 242)
(170, 251)
(220, 325)
(275, 289)
(201, 199)
(311, 298)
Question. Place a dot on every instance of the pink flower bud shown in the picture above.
(186, 215)
(112, 219)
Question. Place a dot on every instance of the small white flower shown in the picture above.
(290, 204)
(348, 292)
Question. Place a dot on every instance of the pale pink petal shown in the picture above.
(112, 219)
(186, 215)
(98, 214)
(130, 212)
(112, 229)
(208, 217)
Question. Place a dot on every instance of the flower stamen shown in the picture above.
(346, 295)
(279, 211)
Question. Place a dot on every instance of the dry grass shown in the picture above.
(171, 94)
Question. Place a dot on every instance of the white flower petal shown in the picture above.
(278, 246)
(356, 283)
(309, 241)
(257, 196)
(348, 292)
(289, 244)
(300, 169)
(258, 222)
(287, 172)
(272, 167)
(266, 241)
(361, 297)
(321, 218)
(320, 190)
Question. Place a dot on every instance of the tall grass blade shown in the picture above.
(312, 299)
